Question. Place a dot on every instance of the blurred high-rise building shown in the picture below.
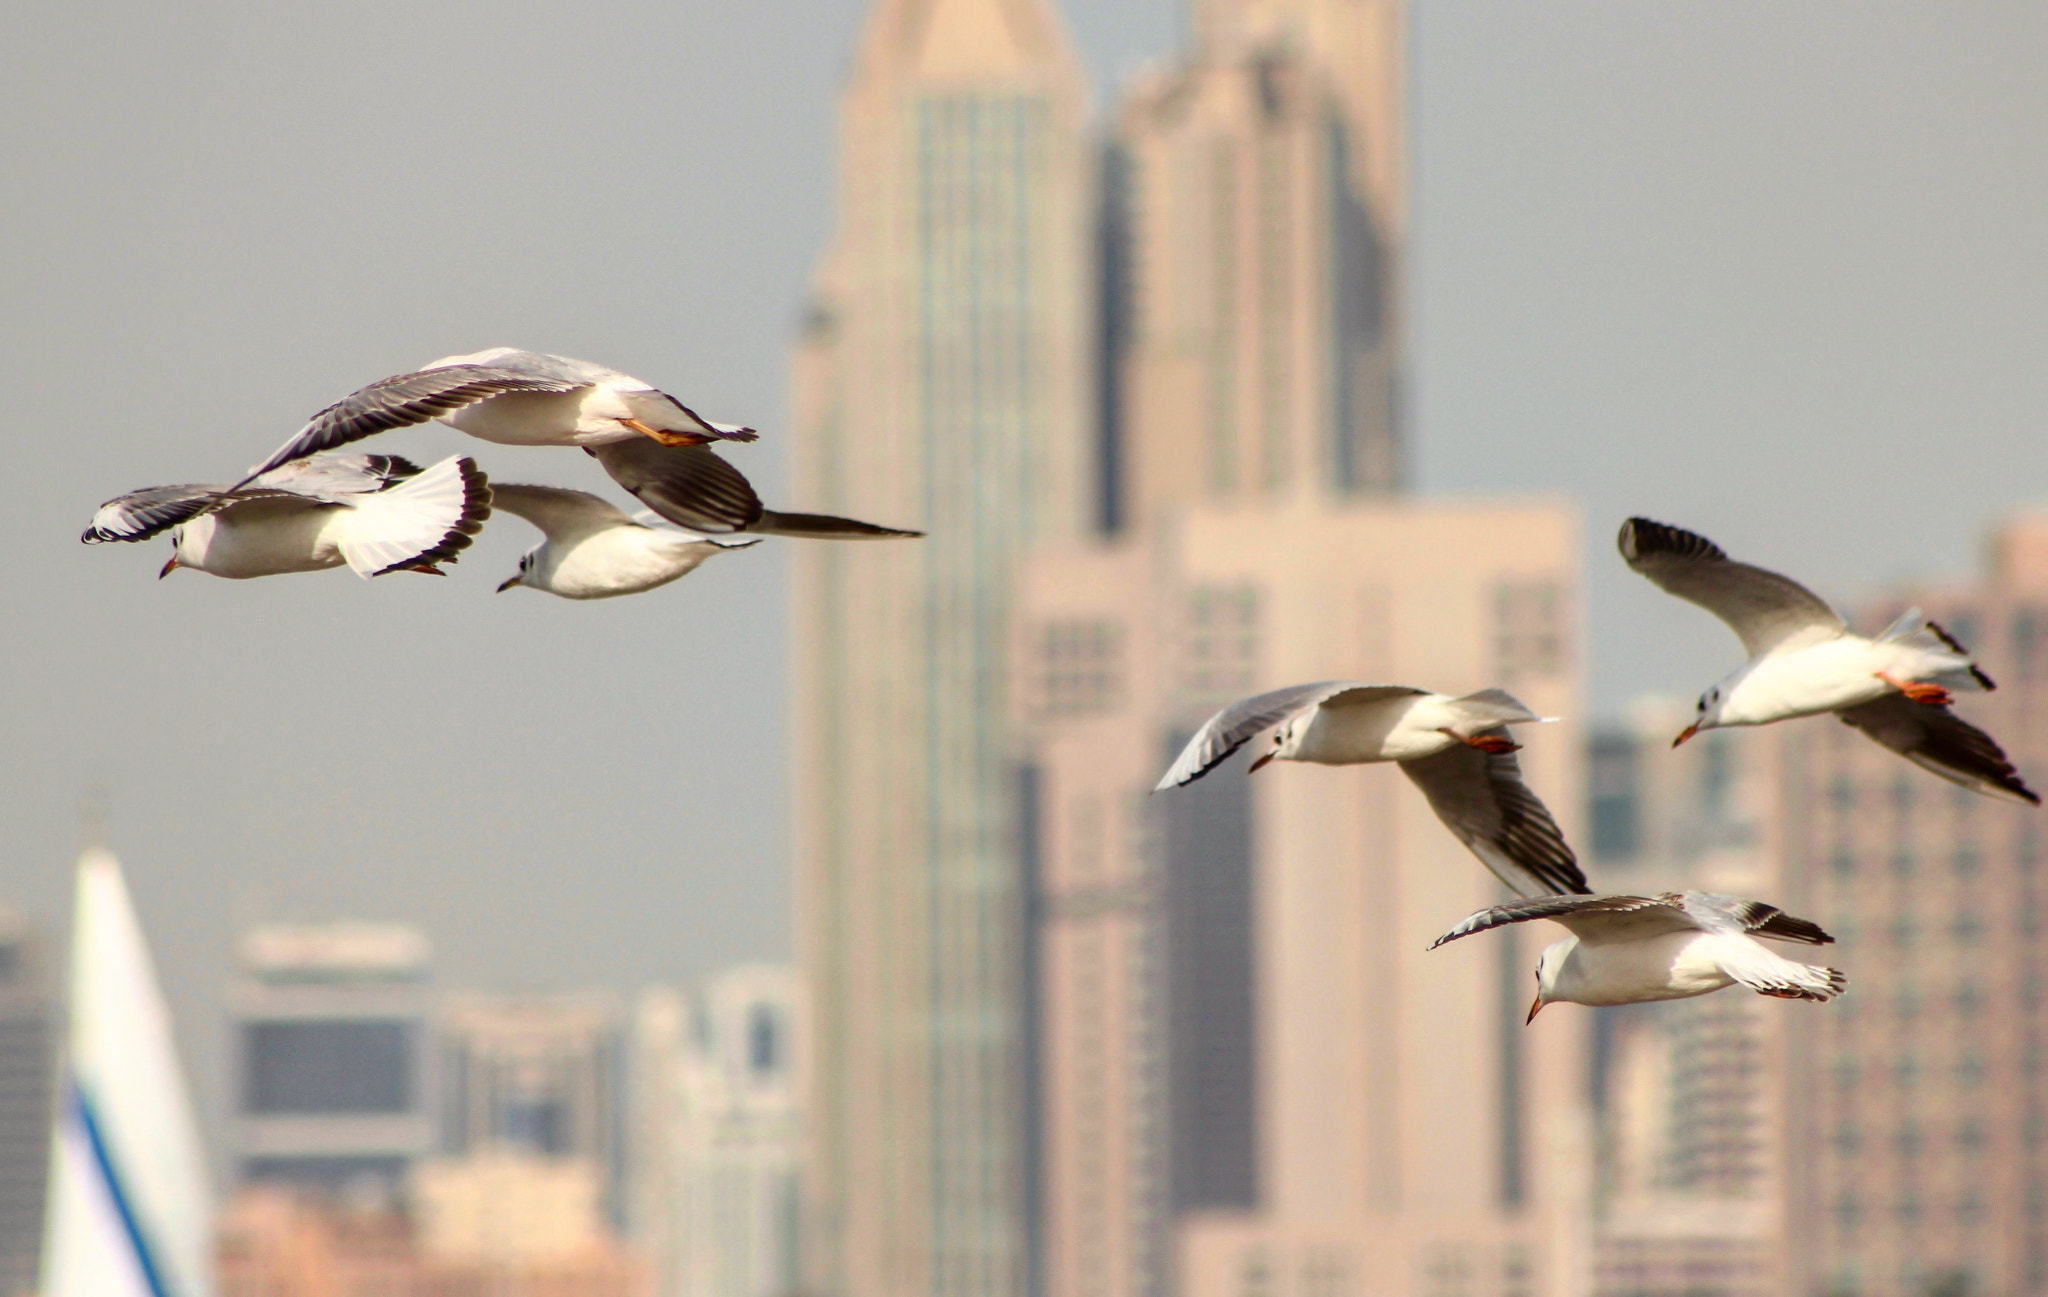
(28, 1064)
(944, 382)
(1256, 1077)
(719, 1143)
(1918, 1150)
(332, 1064)
(1689, 1184)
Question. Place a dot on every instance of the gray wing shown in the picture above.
(688, 485)
(331, 477)
(1482, 800)
(1938, 740)
(563, 514)
(823, 526)
(1716, 913)
(153, 510)
(407, 399)
(1239, 723)
(1590, 917)
(1762, 608)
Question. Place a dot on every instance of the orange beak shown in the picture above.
(169, 567)
(1685, 734)
(1535, 1007)
(1261, 761)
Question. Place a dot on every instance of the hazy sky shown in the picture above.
(1777, 272)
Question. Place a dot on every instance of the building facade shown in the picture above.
(1689, 1181)
(720, 1127)
(1242, 1089)
(942, 382)
(333, 1067)
(28, 1063)
(1918, 1159)
(532, 1106)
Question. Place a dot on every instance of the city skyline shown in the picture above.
(422, 819)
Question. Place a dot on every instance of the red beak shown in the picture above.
(1535, 1007)
(170, 566)
(1261, 761)
(1685, 734)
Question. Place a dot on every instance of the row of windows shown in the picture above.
(1909, 1140)
(1906, 1070)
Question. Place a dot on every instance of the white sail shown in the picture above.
(130, 1209)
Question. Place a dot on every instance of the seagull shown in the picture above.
(514, 398)
(1457, 751)
(376, 513)
(1633, 949)
(1803, 661)
(594, 551)
(692, 487)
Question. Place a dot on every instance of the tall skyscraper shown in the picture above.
(1265, 202)
(333, 1058)
(28, 1062)
(943, 382)
(1918, 1158)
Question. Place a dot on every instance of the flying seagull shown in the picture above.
(1631, 949)
(692, 487)
(376, 513)
(1803, 661)
(515, 398)
(1457, 751)
(594, 551)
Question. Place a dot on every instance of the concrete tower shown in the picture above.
(942, 382)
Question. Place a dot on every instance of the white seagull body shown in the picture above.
(594, 551)
(1804, 661)
(514, 398)
(1456, 749)
(375, 513)
(1636, 949)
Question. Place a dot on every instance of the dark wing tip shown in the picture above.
(1956, 646)
(1643, 538)
(1786, 927)
(476, 507)
(736, 434)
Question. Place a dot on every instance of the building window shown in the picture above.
(1908, 1141)
(1848, 1139)
(1221, 642)
(1528, 629)
(1970, 1069)
(1842, 794)
(1969, 1000)
(1968, 860)
(315, 1067)
(764, 1040)
(1970, 1135)
(1077, 668)
(1904, 932)
(1843, 863)
(1902, 861)
(1968, 929)
(1906, 1070)
(1848, 1211)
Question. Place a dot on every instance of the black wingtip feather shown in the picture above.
(476, 492)
(1642, 538)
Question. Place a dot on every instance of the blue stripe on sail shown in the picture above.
(101, 1156)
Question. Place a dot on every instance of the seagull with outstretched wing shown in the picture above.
(1804, 661)
(1456, 750)
(591, 550)
(1633, 949)
(375, 513)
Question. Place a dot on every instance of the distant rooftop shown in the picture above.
(326, 952)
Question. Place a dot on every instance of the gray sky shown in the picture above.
(1775, 272)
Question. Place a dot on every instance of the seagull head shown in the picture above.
(1708, 717)
(1550, 971)
(1286, 740)
(524, 576)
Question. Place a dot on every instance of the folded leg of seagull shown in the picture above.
(665, 438)
(1931, 695)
